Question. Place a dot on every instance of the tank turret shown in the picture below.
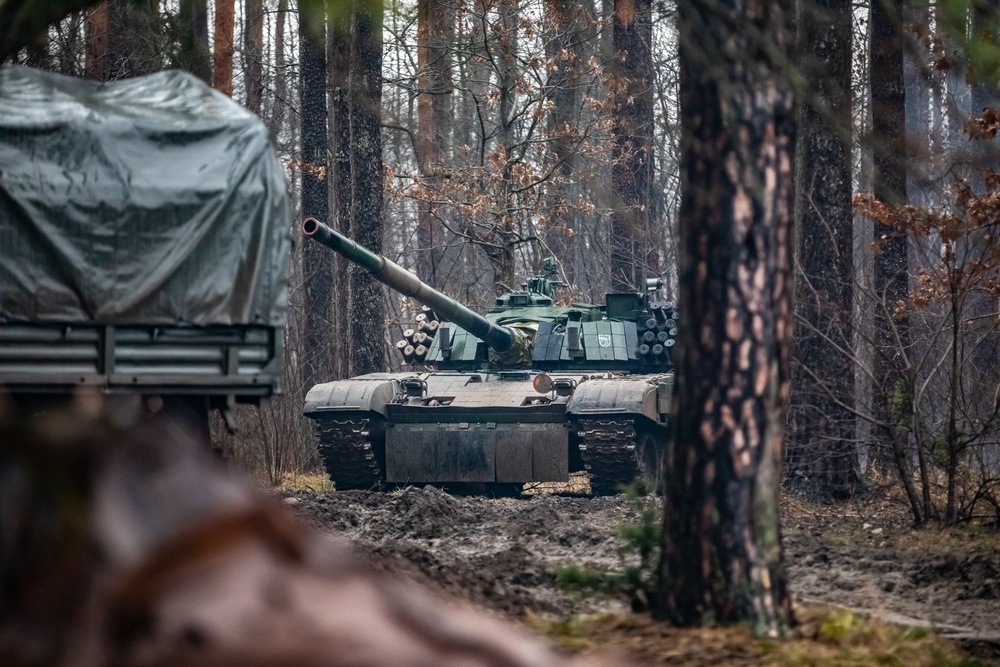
(524, 329)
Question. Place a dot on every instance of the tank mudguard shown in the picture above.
(611, 396)
(365, 393)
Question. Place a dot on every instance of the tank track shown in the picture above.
(608, 449)
(348, 453)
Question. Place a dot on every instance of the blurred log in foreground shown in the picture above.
(134, 547)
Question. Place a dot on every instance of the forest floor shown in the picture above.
(934, 592)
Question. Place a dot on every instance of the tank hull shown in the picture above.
(388, 429)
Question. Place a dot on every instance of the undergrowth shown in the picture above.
(825, 638)
(639, 552)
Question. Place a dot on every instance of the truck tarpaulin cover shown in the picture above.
(154, 200)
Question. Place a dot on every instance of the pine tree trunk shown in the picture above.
(367, 309)
(722, 557)
(822, 454)
(280, 105)
(631, 90)
(434, 30)
(339, 58)
(96, 52)
(566, 39)
(893, 392)
(222, 66)
(145, 39)
(253, 53)
(194, 53)
(320, 331)
(116, 65)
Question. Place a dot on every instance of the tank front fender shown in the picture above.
(624, 396)
(365, 393)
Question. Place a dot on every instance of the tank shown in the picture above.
(528, 392)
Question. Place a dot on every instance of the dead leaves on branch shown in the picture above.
(966, 234)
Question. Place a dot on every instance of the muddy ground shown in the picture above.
(502, 554)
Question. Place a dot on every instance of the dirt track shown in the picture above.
(502, 553)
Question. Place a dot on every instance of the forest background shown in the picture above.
(503, 131)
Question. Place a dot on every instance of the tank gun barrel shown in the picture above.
(393, 275)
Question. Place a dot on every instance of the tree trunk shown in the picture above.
(631, 90)
(567, 24)
(222, 66)
(145, 39)
(893, 397)
(194, 52)
(339, 58)
(317, 262)
(367, 310)
(434, 36)
(117, 64)
(722, 559)
(253, 53)
(822, 455)
(280, 105)
(96, 53)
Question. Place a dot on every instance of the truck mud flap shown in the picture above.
(471, 452)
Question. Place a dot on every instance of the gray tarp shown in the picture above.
(154, 200)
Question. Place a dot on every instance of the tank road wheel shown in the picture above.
(649, 444)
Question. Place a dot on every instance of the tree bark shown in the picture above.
(631, 90)
(366, 301)
(317, 261)
(722, 558)
(96, 53)
(280, 105)
(822, 455)
(194, 51)
(567, 24)
(145, 39)
(893, 394)
(253, 53)
(435, 31)
(116, 61)
(339, 58)
(222, 66)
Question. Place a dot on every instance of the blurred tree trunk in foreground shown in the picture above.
(722, 557)
(136, 547)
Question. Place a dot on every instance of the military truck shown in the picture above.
(528, 392)
(144, 242)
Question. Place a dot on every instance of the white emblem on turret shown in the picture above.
(604, 340)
